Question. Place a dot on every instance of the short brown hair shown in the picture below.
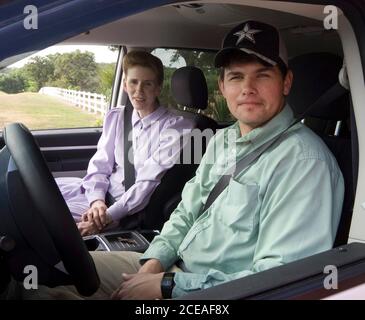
(144, 59)
(241, 57)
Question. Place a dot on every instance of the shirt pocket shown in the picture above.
(241, 206)
(190, 236)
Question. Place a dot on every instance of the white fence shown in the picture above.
(91, 102)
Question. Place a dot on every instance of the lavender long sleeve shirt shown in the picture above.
(157, 141)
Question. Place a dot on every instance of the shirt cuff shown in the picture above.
(117, 211)
(187, 282)
(161, 252)
(95, 195)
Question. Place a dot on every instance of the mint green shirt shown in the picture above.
(284, 207)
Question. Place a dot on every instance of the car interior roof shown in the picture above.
(203, 25)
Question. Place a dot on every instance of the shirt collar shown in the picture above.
(270, 129)
(152, 117)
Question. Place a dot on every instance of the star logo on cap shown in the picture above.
(246, 33)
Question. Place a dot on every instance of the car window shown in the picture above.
(173, 59)
(59, 87)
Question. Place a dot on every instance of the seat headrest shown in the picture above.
(189, 87)
(314, 75)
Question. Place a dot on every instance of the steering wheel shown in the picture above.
(49, 231)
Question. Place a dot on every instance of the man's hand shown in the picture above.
(87, 228)
(139, 286)
(97, 214)
(151, 266)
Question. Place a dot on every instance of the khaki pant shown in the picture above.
(109, 265)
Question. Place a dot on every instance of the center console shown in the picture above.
(121, 240)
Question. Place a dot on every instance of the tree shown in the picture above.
(76, 70)
(38, 72)
(166, 97)
(12, 82)
(201, 59)
(106, 73)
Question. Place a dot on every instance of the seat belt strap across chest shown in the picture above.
(129, 171)
(242, 164)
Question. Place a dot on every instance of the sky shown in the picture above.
(102, 54)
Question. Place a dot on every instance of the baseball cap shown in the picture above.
(257, 38)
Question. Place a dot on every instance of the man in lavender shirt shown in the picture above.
(157, 136)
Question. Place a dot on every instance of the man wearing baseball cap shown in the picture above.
(283, 206)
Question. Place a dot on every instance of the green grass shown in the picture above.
(39, 111)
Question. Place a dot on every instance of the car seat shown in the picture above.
(316, 80)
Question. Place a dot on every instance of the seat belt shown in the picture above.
(332, 94)
(129, 171)
(240, 166)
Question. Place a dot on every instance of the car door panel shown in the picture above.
(67, 151)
